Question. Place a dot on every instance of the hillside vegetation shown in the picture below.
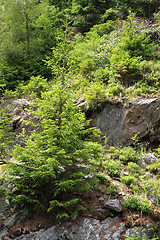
(55, 53)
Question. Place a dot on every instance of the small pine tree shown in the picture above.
(49, 172)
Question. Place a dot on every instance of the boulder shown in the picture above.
(113, 204)
(21, 113)
(147, 159)
(119, 123)
(15, 219)
(4, 206)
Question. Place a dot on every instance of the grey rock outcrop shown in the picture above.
(18, 111)
(4, 206)
(147, 159)
(86, 229)
(113, 204)
(21, 113)
(119, 123)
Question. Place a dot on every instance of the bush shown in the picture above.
(104, 28)
(114, 88)
(141, 205)
(110, 14)
(35, 87)
(113, 167)
(128, 50)
(133, 168)
(94, 93)
(128, 154)
(114, 152)
(128, 180)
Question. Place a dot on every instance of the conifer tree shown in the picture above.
(49, 172)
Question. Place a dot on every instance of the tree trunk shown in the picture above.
(27, 35)
(57, 3)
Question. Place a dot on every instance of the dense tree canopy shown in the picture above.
(28, 30)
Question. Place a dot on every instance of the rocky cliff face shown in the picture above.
(119, 123)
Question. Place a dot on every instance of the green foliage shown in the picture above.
(120, 59)
(104, 28)
(87, 13)
(87, 66)
(128, 50)
(110, 14)
(128, 154)
(103, 179)
(144, 234)
(151, 73)
(114, 89)
(6, 133)
(143, 8)
(128, 180)
(2, 192)
(50, 170)
(112, 188)
(26, 37)
(94, 93)
(114, 152)
(140, 89)
(151, 188)
(155, 167)
(35, 87)
(141, 205)
(112, 167)
(133, 168)
(29, 35)
(89, 56)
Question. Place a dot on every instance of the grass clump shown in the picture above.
(128, 154)
(141, 205)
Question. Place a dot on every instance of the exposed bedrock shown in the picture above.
(119, 123)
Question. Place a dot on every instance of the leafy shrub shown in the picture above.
(35, 87)
(135, 188)
(112, 188)
(128, 180)
(129, 49)
(139, 89)
(114, 152)
(114, 88)
(113, 167)
(151, 188)
(128, 154)
(104, 28)
(103, 178)
(87, 65)
(141, 205)
(94, 93)
(110, 14)
(133, 168)
(151, 72)
(155, 167)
